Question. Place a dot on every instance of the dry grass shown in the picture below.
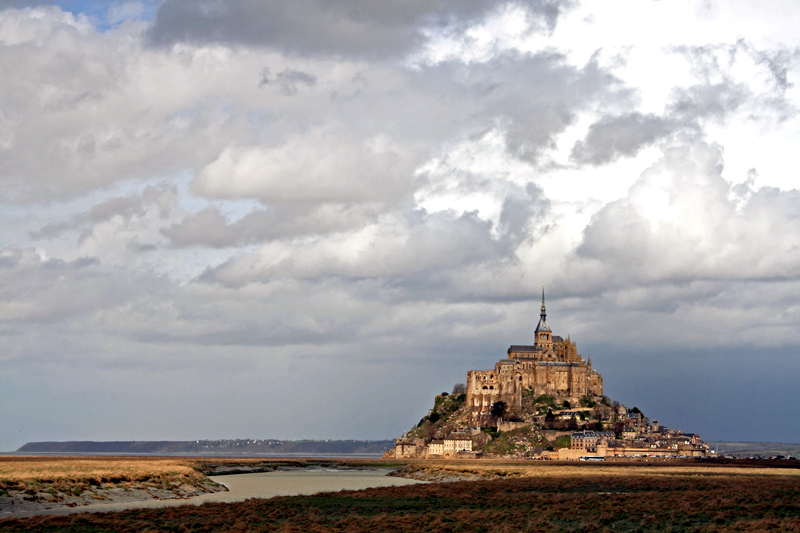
(548, 469)
(16, 470)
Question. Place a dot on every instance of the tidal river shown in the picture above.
(289, 482)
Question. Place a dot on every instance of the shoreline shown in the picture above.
(44, 493)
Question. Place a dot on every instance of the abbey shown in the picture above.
(551, 366)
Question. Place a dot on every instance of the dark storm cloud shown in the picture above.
(348, 27)
(623, 135)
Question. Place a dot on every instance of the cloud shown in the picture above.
(81, 110)
(290, 81)
(323, 166)
(732, 76)
(620, 136)
(48, 291)
(358, 28)
(86, 114)
(398, 247)
(124, 210)
(209, 227)
(682, 220)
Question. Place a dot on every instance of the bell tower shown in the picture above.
(544, 336)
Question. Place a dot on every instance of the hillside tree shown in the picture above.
(499, 408)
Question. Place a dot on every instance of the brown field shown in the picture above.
(509, 497)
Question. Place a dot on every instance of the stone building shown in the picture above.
(584, 441)
(550, 366)
(436, 447)
(457, 444)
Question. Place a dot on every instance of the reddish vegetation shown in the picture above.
(581, 503)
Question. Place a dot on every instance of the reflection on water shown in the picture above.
(290, 482)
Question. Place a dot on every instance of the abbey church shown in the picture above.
(551, 366)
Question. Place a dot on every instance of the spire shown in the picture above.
(544, 311)
(542, 326)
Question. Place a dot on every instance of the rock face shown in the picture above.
(551, 366)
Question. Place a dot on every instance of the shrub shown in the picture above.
(563, 442)
(546, 400)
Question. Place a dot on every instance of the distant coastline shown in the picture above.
(745, 450)
(224, 447)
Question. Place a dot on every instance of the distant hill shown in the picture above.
(228, 447)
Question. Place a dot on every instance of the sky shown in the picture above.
(267, 219)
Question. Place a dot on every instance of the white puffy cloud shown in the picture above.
(683, 220)
(321, 167)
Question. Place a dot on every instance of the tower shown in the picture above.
(543, 334)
